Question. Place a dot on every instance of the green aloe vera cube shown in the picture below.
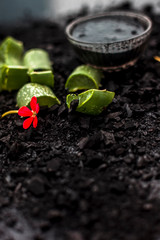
(92, 101)
(44, 95)
(11, 52)
(12, 77)
(37, 59)
(42, 77)
(40, 67)
(84, 77)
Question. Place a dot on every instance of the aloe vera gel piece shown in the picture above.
(44, 95)
(84, 77)
(91, 102)
(11, 52)
(12, 74)
(12, 77)
(39, 67)
(37, 59)
(42, 77)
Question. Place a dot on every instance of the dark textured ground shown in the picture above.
(78, 177)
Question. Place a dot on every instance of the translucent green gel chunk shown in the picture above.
(11, 52)
(42, 77)
(12, 77)
(84, 77)
(39, 67)
(44, 95)
(91, 102)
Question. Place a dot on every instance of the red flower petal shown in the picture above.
(35, 122)
(33, 103)
(27, 122)
(37, 108)
(25, 112)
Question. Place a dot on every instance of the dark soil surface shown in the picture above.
(77, 177)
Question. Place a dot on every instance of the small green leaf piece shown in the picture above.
(44, 95)
(84, 77)
(12, 77)
(12, 74)
(39, 67)
(37, 59)
(42, 77)
(91, 102)
(11, 52)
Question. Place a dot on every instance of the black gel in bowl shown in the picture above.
(111, 41)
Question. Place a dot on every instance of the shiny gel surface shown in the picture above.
(107, 29)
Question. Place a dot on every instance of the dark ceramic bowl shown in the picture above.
(110, 41)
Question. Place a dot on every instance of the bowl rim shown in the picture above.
(130, 14)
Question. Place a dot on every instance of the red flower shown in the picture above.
(32, 114)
